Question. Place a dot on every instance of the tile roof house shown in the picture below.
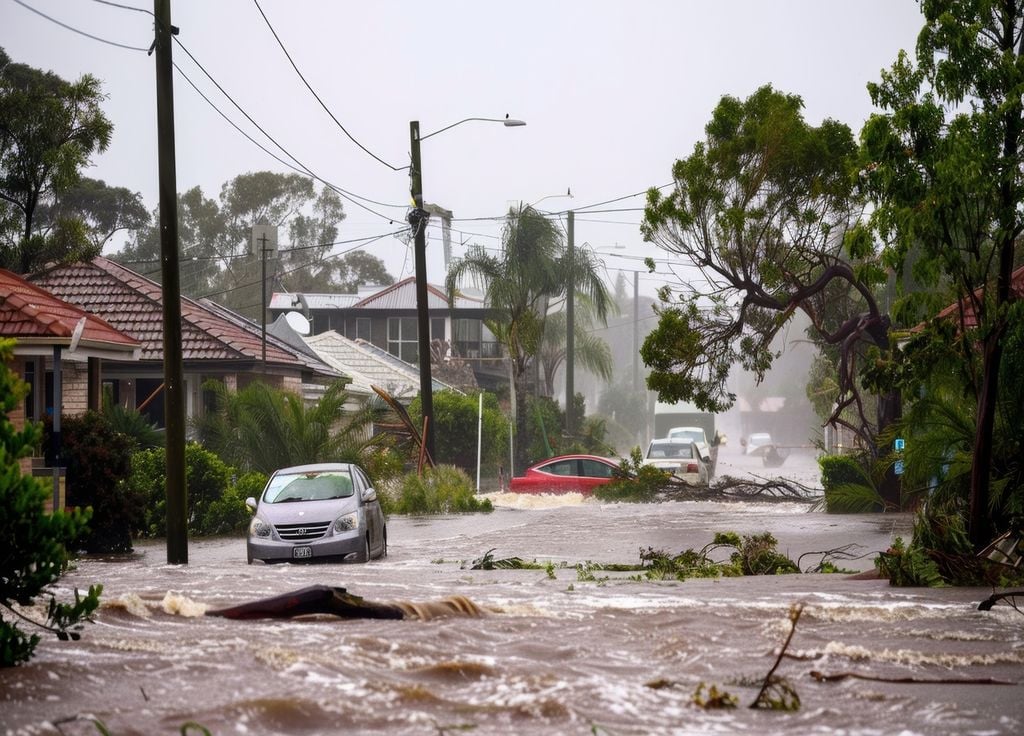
(969, 318)
(216, 344)
(58, 351)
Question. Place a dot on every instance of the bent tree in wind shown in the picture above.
(766, 211)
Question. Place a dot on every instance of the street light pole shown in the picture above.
(418, 220)
(570, 326)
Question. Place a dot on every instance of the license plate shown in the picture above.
(300, 552)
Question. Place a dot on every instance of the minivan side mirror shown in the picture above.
(369, 495)
(251, 503)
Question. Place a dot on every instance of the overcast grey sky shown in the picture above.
(613, 93)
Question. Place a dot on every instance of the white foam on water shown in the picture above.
(177, 604)
(914, 657)
(507, 499)
(130, 603)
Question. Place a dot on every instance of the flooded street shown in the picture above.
(560, 653)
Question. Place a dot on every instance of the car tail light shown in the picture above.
(691, 468)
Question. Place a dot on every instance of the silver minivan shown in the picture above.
(327, 511)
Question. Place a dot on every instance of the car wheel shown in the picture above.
(384, 543)
(248, 557)
(364, 554)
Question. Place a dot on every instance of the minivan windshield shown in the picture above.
(315, 486)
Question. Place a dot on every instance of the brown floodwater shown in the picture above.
(558, 653)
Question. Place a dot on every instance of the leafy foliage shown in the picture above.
(635, 482)
(218, 260)
(848, 486)
(132, 423)
(98, 461)
(35, 547)
(942, 164)
(455, 420)
(763, 207)
(50, 129)
(751, 555)
(443, 489)
(216, 500)
(262, 428)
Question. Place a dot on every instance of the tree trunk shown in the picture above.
(890, 410)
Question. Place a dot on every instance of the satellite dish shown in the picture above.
(77, 335)
(297, 322)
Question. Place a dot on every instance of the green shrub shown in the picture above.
(636, 482)
(456, 419)
(229, 514)
(34, 552)
(207, 477)
(848, 487)
(444, 489)
(98, 461)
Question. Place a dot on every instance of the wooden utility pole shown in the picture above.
(174, 381)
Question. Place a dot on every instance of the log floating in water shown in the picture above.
(339, 602)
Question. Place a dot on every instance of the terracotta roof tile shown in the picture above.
(134, 304)
(26, 310)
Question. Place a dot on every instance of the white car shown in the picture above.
(757, 442)
(681, 457)
(695, 434)
(310, 513)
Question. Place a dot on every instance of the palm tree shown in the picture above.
(592, 352)
(263, 428)
(533, 268)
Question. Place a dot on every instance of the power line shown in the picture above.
(79, 32)
(303, 171)
(304, 265)
(270, 137)
(313, 92)
(351, 196)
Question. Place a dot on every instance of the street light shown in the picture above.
(418, 218)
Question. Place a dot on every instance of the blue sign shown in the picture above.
(899, 444)
(898, 467)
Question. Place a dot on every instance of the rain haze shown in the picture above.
(612, 94)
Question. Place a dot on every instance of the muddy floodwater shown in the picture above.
(563, 652)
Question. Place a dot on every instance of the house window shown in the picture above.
(402, 338)
(363, 328)
(437, 328)
(467, 337)
(474, 340)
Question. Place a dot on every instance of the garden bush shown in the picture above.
(848, 487)
(98, 461)
(444, 489)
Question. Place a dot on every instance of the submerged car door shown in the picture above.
(371, 508)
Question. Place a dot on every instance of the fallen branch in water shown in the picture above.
(822, 677)
(339, 602)
(776, 693)
(1010, 597)
(729, 488)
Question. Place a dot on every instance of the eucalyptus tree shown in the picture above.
(943, 164)
(533, 268)
(765, 209)
(49, 130)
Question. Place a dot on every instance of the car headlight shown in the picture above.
(259, 528)
(347, 522)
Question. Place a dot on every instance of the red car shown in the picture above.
(566, 474)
